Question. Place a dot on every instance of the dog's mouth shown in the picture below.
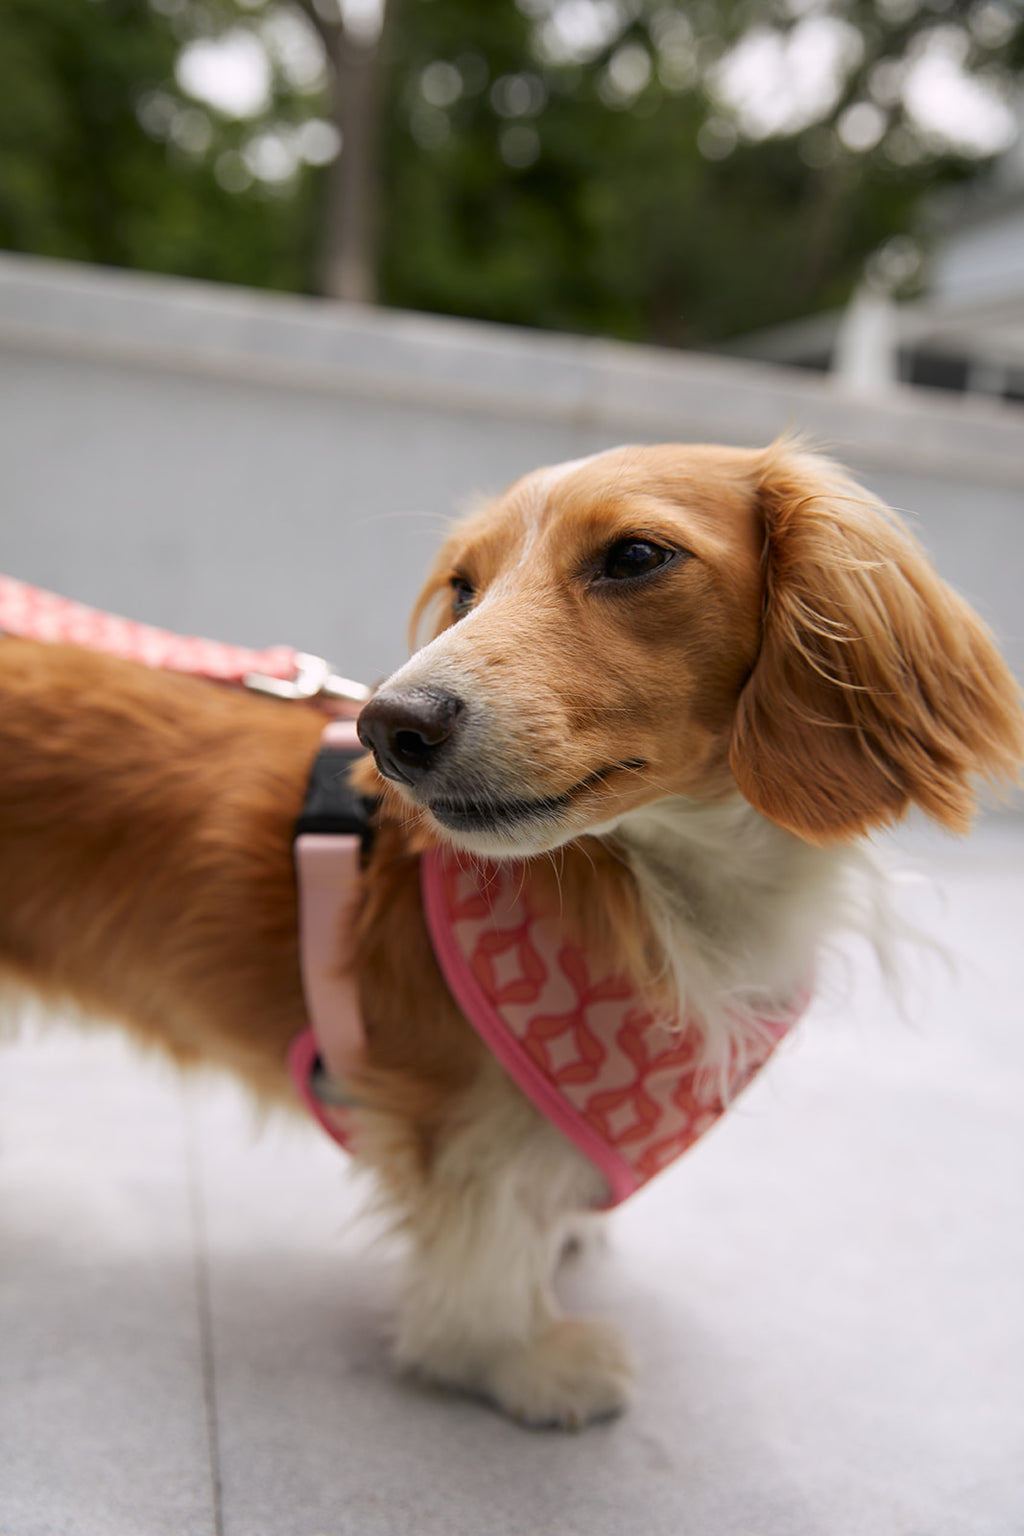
(510, 816)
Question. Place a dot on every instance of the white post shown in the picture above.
(865, 358)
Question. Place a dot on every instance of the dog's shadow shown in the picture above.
(301, 1363)
(139, 1356)
(279, 1359)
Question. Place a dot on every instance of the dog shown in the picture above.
(676, 687)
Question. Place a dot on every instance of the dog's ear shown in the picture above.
(430, 615)
(876, 686)
(432, 610)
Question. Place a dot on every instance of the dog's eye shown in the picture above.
(633, 557)
(462, 596)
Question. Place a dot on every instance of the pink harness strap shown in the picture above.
(328, 867)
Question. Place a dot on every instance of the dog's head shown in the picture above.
(683, 621)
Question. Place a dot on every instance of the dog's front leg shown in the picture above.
(480, 1312)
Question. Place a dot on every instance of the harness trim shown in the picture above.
(480, 1009)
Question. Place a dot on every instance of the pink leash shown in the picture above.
(33, 614)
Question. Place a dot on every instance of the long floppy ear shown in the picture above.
(876, 686)
(432, 609)
(426, 611)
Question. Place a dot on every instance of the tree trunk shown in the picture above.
(346, 268)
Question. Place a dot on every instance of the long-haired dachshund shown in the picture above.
(676, 685)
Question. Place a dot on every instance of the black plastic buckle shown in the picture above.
(331, 804)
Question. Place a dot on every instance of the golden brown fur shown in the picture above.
(144, 853)
(798, 647)
(876, 686)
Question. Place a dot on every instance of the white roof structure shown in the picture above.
(966, 333)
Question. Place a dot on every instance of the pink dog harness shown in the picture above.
(627, 1088)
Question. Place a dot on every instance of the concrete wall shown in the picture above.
(268, 469)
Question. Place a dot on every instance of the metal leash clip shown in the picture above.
(314, 678)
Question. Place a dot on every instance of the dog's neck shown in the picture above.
(739, 906)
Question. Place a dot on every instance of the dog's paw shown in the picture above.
(576, 1371)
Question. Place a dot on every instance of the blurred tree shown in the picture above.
(105, 157)
(677, 172)
(641, 168)
(353, 41)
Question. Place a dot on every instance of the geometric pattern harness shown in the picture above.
(630, 1089)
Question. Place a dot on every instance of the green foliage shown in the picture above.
(80, 177)
(642, 214)
(606, 190)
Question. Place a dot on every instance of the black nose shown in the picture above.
(406, 732)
